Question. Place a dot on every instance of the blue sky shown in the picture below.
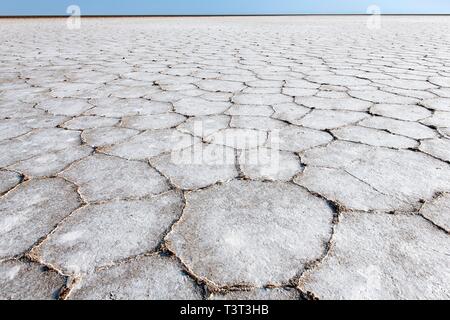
(168, 7)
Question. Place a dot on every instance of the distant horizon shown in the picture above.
(52, 8)
(221, 15)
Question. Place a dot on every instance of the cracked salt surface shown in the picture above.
(288, 161)
(29, 281)
(381, 256)
(152, 277)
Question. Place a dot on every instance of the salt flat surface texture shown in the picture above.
(225, 158)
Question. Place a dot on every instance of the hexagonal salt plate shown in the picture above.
(438, 119)
(238, 138)
(441, 92)
(64, 107)
(49, 164)
(205, 125)
(299, 92)
(378, 96)
(100, 234)
(145, 278)
(152, 143)
(381, 256)
(40, 122)
(31, 211)
(440, 81)
(421, 95)
(269, 164)
(374, 137)
(258, 123)
(8, 180)
(193, 106)
(10, 128)
(35, 143)
(409, 129)
(445, 131)
(198, 166)
(381, 178)
(90, 122)
(439, 148)
(153, 122)
(407, 84)
(350, 104)
(290, 112)
(330, 119)
(401, 112)
(261, 99)
(440, 104)
(101, 177)
(437, 210)
(250, 110)
(100, 137)
(17, 109)
(253, 232)
(29, 281)
(220, 85)
(357, 194)
(114, 107)
(295, 139)
(338, 80)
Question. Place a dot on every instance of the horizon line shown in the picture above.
(220, 15)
